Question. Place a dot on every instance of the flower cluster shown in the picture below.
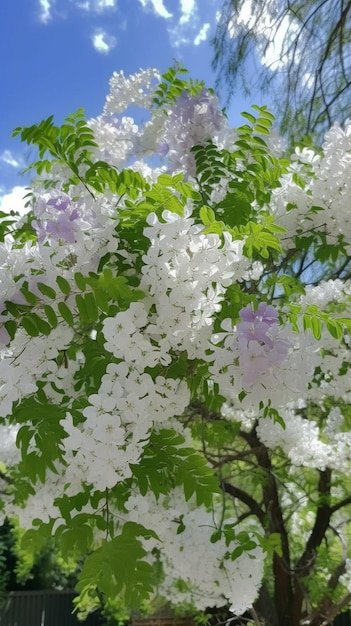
(261, 346)
(57, 218)
(260, 357)
(239, 577)
(316, 189)
(186, 273)
(193, 121)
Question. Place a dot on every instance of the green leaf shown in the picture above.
(316, 327)
(166, 460)
(345, 321)
(236, 553)
(63, 285)
(335, 329)
(91, 307)
(82, 309)
(249, 117)
(216, 536)
(298, 180)
(11, 327)
(30, 326)
(165, 179)
(259, 128)
(120, 568)
(41, 324)
(51, 315)
(13, 309)
(65, 312)
(80, 281)
(207, 215)
(189, 486)
(101, 300)
(47, 291)
(29, 296)
(266, 122)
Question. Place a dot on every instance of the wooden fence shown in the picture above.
(42, 608)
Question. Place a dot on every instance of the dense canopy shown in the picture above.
(175, 329)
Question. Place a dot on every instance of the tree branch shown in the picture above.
(246, 499)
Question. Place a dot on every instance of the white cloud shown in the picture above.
(98, 6)
(191, 23)
(105, 4)
(13, 201)
(103, 42)
(187, 8)
(202, 34)
(94, 6)
(7, 157)
(45, 10)
(158, 7)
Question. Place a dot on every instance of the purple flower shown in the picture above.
(279, 351)
(60, 202)
(204, 103)
(256, 324)
(251, 331)
(265, 313)
(40, 230)
(74, 215)
(62, 228)
(260, 346)
(163, 148)
(253, 361)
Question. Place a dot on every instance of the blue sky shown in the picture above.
(58, 56)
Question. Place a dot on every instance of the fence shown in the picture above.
(54, 608)
(343, 620)
(42, 608)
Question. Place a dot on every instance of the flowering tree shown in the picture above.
(175, 380)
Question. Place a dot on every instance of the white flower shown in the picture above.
(108, 430)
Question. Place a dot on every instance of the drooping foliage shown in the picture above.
(296, 53)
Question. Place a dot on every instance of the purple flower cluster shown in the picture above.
(58, 216)
(204, 104)
(192, 121)
(261, 347)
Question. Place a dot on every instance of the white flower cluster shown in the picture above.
(19, 376)
(185, 275)
(308, 444)
(136, 90)
(222, 580)
(321, 201)
(117, 138)
(171, 132)
(120, 415)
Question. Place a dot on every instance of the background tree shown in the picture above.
(20, 570)
(297, 53)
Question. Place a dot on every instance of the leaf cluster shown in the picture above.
(173, 85)
(70, 144)
(167, 463)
